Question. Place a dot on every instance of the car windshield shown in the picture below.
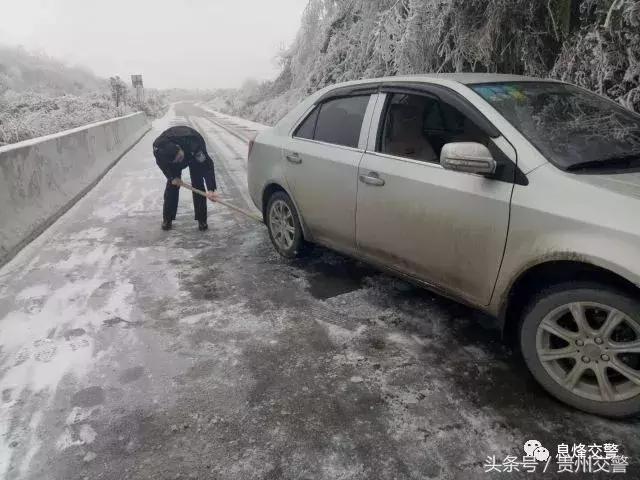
(573, 128)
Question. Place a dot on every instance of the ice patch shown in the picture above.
(90, 456)
(34, 291)
(37, 354)
(33, 442)
(193, 319)
(163, 123)
(237, 120)
(358, 305)
(94, 234)
(79, 415)
(411, 344)
(476, 353)
(108, 212)
(338, 334)
(85, 435)
(98, 257)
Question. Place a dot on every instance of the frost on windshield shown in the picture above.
(568, 125)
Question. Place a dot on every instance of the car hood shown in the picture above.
(623, 183)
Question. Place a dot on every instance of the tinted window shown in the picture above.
(307, 128)
(433, 117)
(573, 128)
(340, 120)
(418, 126)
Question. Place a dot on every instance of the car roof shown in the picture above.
(471, 78)
(463, 78)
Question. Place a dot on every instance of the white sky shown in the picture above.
(180, 43)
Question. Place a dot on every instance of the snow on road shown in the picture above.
(128, 352)
(233, 150)
(235, 121)
(60, 292)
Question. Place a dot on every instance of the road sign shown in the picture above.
(136, 81)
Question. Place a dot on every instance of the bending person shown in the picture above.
(176, 149)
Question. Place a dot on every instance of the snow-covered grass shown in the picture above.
(41, 96)
(30, 114)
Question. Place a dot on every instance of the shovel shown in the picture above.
(246, 213)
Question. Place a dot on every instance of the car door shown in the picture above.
(322, 157)
(444, 227)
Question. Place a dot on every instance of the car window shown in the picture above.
(418, 126)
(575, 129)
(340, 120)
(433, 116)
(307, 128)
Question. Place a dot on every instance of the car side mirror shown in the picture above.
(469, 157)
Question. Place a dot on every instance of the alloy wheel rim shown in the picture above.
(281, 224)
(592, 350)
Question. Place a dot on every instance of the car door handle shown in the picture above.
(293, 158)
(372, 179)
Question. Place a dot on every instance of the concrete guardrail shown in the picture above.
(42, 178)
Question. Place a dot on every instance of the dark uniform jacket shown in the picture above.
(195, 154)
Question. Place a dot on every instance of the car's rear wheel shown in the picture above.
(284, 226)
(582, 343)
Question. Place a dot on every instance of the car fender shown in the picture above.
(580, 250)
(573, 221)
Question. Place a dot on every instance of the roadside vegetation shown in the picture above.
(592, 43)
(41, 96)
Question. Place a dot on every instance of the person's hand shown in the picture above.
(213, 196)
(177, 182)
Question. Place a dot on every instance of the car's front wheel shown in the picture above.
(582, 343)
(284, 226)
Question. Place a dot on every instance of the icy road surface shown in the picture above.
(132, 353)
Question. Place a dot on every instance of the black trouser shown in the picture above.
(171, 195)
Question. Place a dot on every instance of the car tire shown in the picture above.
(284, 226)
(590, 378)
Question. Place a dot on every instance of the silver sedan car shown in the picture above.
(515, 195)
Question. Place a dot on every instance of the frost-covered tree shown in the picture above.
(604, 53)
(595, 43)
(118, 91)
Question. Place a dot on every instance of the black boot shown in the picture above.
(166, 225)
(202, 226)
